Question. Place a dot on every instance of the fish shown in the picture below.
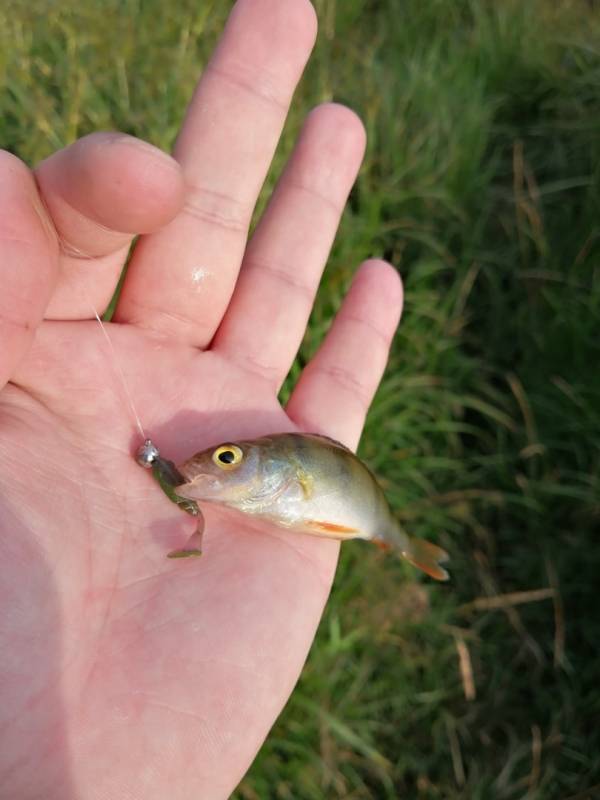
(306, 483)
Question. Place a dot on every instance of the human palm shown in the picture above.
(124, 674)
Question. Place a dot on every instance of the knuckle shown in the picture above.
(217, 208)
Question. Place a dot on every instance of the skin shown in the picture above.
(124, 674)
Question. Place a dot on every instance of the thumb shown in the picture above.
(99, 192)
(28, 262)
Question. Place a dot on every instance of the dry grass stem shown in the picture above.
(503, 601)
(466, 669)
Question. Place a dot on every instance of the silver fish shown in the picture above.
(303, 482)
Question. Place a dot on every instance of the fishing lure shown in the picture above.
(303, 482)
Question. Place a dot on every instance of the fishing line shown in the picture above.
(118, 369)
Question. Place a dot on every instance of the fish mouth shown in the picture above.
(200, 487)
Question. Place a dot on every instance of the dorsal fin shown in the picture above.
(328, 440)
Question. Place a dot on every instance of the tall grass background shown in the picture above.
(481, 184)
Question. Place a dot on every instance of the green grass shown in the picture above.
(481, 184)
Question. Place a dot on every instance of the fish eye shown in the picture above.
(227, 456)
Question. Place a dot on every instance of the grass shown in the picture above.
(481, 184)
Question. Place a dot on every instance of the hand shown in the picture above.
(124, 674)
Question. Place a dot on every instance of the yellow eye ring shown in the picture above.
(227, 456)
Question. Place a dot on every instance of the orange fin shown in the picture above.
(427, 557)
(330, 528)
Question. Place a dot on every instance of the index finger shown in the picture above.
(180, 279)
(28, 262)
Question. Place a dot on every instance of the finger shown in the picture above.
(99, 192)
(181, 279)
(336, 388)
(267, 316)
(28, 262)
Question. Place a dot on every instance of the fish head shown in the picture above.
(236, 474)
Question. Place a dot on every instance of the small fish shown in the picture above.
(303, 482)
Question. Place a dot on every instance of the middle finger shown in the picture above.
(180, 279)
(267, 316)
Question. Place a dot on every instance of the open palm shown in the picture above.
(124, 674)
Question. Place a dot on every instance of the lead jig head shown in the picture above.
(147, 455)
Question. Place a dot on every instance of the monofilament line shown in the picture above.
(120, 372)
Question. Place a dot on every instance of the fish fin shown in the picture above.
(427, 557)
(331, 529)
(386, 547)
(306, 482)
(328, 440)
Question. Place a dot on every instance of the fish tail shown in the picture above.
(427, 557)
(422, 554)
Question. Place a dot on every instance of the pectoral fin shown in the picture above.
(331, 530)
(306, 482)
(427, 557)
